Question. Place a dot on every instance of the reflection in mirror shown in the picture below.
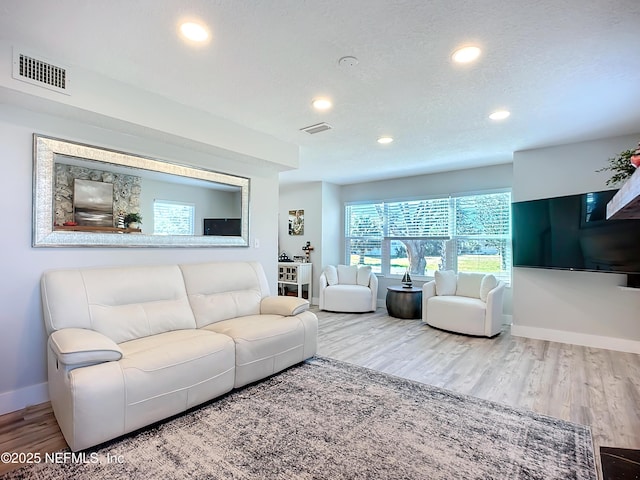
(86, 195)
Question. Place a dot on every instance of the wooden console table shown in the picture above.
(88, 228)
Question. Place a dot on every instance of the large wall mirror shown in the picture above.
(90, 196)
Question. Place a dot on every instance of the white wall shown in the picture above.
(575, 307)
(323, 224)
(307, 197)
(332, 226)
(23, 342)
(208, 202)
(128, 109)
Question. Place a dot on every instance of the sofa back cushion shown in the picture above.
(469, 284)
(122, 303)
(445, 282)
(331, 274)
(364, 272)
(219, 291)
(347, 274)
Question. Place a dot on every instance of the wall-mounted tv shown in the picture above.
(572, 232)
(223, 227)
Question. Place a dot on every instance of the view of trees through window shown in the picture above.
(467, 233)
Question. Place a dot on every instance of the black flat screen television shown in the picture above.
(572, 233)
(223, 227)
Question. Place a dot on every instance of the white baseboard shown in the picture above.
(18, 399)
(575, 338)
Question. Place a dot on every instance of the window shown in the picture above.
(364, 233)
(465, 233)
(416, 232)
(482, 234)
(173, 218)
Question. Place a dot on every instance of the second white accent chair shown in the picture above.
(348, 288)
(469, 303)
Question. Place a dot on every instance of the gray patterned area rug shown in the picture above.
(326, 419)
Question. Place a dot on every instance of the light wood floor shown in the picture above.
(599, 388)
(590, 386)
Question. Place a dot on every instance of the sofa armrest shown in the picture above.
(281, 305)
(79, 346)
(373, 285)
(428, 291)
(493, 323)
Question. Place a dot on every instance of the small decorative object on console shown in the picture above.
(284, 258)
(307, 249)
(406, 280)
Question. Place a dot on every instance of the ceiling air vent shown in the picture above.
(39, 72)
(317, 128)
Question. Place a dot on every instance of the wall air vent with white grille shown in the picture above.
(317, 128)
(35, 70)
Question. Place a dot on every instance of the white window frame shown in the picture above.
(450, 260)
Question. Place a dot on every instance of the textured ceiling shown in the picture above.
(568, 70)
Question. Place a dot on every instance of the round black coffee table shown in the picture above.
(404, 302)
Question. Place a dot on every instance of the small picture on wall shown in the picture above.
(92, 203)
(296, 222)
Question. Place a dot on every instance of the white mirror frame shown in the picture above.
(45, 150)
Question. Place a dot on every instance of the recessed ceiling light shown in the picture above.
(195, 32)
(466, 54)
(322, 104)
(499, 115)
(385, 140)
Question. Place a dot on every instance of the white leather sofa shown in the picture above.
(129, 346)
(469, 303)
(348, 288)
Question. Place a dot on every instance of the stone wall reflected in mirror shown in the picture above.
(126, 191)
(139, 184)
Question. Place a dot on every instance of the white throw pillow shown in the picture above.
(445, 282)
(469, 284)
(347, 274)
(331, 274)
(364, 272)
(489, 282)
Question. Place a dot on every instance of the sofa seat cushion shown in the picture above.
(170, 372)
(458, 314)
(348, 298)
(265, 344)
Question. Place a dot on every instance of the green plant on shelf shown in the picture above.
(132, 218)
(621, 167)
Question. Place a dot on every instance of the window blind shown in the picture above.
(418, 218)
(173, 218)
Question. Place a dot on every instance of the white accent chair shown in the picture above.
(469, 303)
(348, 288)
